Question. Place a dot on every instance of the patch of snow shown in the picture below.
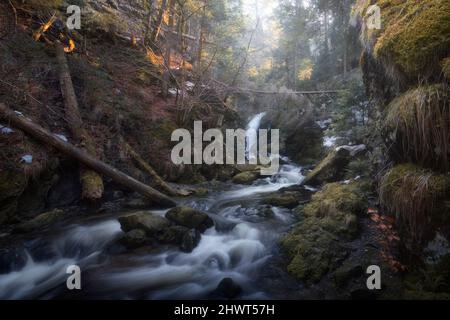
(5, 130)
(28, 158)
(329, 141)
(309, 188)
(62, 137)
(173, 91)
(189, 85)
(323, 124)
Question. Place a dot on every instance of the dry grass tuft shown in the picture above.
(417, 197)
(419, 124)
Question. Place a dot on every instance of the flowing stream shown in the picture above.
(239, 250)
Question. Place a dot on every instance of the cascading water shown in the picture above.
(251, 135)
(237, 251)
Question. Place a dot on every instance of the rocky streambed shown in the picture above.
(209, 246)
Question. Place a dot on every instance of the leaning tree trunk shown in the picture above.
(48, 139)
(91, 182)
(159, 183)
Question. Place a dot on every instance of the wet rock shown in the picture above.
(190, 240)
(186, 239)
(246, 177)
(134, 238)
(41, 221)
(266, 212)
(173, 235)
(227, 289)
(289, 197)
(190, 218)
(284, 199)
(153, 225)
(225, 173)
(330, 169)
(201, 192)
(222, 224)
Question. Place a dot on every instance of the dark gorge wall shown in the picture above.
(405, 67)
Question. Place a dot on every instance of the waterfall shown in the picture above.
(252, 137)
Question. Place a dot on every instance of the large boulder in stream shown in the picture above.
(246, 177)
(289, 197)
(187, 239)
(332, 168)
(190, 218)
(152, 224)
(144, 228)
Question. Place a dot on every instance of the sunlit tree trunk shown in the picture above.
(159, 21)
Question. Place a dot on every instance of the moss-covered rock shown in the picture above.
(314, 245)
(190, 218)
(289, 197)
(414, 37)
(330, 169)
(418, 198)
(41, 221)
(201, 192)
(246, 177)
(153, 225)
(312, 251)
(134, 239)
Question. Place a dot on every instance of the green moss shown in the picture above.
(286, 199)
(246, 177)
(313, 246)
(415, 34)
(334, 198)
(92, 185)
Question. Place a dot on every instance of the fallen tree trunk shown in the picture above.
(47, 138)
(91, 182)
(144, 166)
